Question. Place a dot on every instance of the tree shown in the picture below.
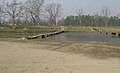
(13, 10)
(25, 15)
(1, 12)
(34, 8)
(54, 11)
(105, 12)
(96, 18)
(118, 15)
(88, 20)
(79, 12)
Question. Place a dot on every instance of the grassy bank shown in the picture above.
(77, 29)
(110, 29)
(8, 31)
(89, 29)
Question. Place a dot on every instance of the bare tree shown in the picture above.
(13, 10)
(105, 12)
(1, 12)
(25, 15)
(54, 11)
(34, 8)
(96, 18)
(79, 12)
(118, 15)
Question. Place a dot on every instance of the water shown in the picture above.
(85, 36)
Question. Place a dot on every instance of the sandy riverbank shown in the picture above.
(58, 57)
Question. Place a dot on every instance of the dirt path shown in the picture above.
(18, 57)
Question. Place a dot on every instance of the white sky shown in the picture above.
(89, 6)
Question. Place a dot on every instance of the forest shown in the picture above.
(87, 20)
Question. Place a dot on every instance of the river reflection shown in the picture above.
(85, 36)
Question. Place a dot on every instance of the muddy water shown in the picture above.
(85, 36)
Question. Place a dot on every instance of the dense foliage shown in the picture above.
(87, 20)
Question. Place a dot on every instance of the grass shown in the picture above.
(88, 29)
(8, 31)
(77, 29)
(110, 29)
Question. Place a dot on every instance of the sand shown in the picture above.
(52, 57)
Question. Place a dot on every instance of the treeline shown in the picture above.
(87, 20)
(36, 12)
(31, 12)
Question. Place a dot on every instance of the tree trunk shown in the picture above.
(14, 22)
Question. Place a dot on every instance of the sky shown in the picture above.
(88, 6)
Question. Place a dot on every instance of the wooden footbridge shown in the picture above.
(112, 33)
(45, 35)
